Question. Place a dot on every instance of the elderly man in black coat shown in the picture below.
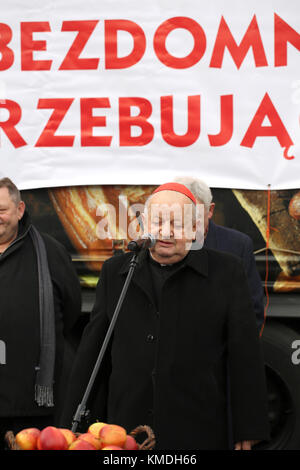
(187, 314)
(40, 302)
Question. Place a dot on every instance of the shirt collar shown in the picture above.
(195, 259)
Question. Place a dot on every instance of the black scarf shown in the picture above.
(45, 370)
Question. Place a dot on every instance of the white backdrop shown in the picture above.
(263, 91)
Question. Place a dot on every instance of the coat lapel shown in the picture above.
(198, 261)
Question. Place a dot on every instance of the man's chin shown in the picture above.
(6, 238)
(164, 253)
(164, 250)
(2, 236)
(165, 256)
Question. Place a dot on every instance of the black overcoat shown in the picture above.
(168, 368)
(20, 322)
(240, 244)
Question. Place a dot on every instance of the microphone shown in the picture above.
(146, 241)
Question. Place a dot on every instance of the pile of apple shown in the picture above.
(100, 436)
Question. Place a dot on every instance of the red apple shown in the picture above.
(80, 444)
(88, 437)
(69, 435)
(27, 438)
(112, 448)
(38, 444)
(95, 428)
(130, 444)
(52, 438)
(112, 434)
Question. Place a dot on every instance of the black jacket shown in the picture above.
(19, 321)
(239, 244)
(168, 368)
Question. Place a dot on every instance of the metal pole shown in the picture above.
(81, 410)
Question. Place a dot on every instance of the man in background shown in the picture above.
(40, 302)
(228, 240)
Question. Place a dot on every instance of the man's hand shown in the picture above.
(245, 445)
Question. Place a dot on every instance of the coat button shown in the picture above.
(150, 338)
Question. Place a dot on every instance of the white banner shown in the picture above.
(115, 92)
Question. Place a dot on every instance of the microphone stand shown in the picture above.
(81, 411)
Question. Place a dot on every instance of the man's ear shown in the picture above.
(21, 209)
(211, 210)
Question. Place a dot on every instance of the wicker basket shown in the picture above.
(147, 444)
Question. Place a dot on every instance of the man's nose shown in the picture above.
(166, 230)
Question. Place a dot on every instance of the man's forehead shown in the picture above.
(4, 193)
(6, 198)
(169, 198)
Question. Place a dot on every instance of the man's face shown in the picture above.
(169, 219)
(10, 214)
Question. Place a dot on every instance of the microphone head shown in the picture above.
(150, 240)
(146, 241)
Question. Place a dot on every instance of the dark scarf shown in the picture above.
(45, 370)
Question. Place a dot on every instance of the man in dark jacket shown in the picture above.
(229, 240)
(187, 314)
(40, 302)
(238, 243)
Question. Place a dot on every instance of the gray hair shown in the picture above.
(12, 189)
(197, 187)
